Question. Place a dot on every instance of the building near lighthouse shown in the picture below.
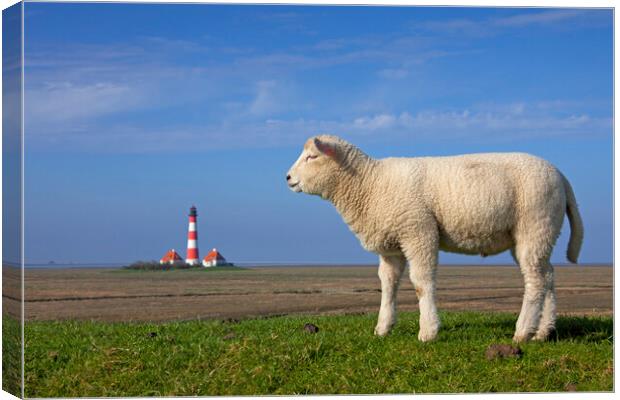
(171, 257)
(192, 238)
(214, 259)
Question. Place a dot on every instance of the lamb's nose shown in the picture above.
(288, 177)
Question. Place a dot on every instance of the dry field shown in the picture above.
(118, 295)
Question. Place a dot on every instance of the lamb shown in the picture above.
(407, 209)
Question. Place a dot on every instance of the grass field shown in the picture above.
(11, 355)
(276, 356)
(106, 332)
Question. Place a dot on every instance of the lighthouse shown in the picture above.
(192, 238)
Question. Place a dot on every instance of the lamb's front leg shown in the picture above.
(423, 278)
(390, 270)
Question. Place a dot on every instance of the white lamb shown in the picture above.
(407, 209)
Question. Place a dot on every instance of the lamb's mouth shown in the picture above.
(295, 187)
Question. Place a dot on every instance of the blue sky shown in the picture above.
(11, 138)
(134, 112)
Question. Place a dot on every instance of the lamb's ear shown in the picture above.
(329, 149)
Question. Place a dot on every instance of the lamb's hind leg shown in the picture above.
(424, 281)
(390, 270)
(532, 262)
(422, 257)
(547, 320)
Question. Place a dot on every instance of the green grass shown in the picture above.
(276, 356)
(11, 355)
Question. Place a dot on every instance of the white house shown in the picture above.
(172, 258)
(213, 259)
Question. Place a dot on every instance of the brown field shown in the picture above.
(117, 295)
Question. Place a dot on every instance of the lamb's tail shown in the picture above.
(576, 224)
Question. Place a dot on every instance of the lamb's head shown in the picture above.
(321, 165)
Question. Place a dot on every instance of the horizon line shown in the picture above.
(285, 263)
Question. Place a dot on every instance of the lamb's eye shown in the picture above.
(311, 157)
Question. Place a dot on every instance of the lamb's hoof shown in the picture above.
(427, 336)
(543, 336)
(522, 338)
(382, 331)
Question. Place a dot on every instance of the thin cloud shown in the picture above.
(179, 45)
(476, 28)
(266, 100)
(507, 121)
(504, 122)
(64, 101)
(540, 18)
(460, 26)
(376, 122)
(393, 73)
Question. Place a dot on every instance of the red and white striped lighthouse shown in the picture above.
(192, 238)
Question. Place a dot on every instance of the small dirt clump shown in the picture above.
(311, 328)
(570, 387)
(502, 351)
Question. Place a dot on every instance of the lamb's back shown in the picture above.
(475, 199)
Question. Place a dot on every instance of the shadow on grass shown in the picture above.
(583, 329)
(588, 329)
(591, 329)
